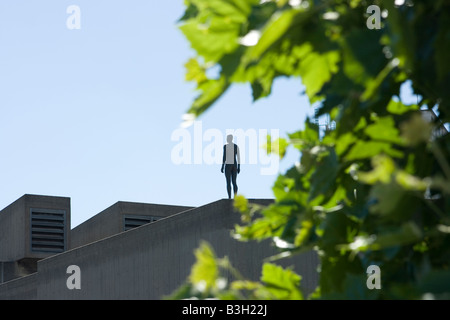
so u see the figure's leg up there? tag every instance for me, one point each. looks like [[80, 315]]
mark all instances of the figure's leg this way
[[234, 177], [228, 178]]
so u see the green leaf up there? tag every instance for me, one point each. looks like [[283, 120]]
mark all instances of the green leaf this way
[[211, 90], [373, 86], [388, 198], [344, 141], [410, 182], [401, 35], [277, 146], [271, 224], [369, 149], [308, 137], [213, 44], [215, 29], [283, 284], [240, 203], [336, 228], [303, 233], [274, 30], [334, 271], [194, 72], [323, 180], [362, 60], [407, 233], [205, 271], [384, 129], [397, 107], [316, 70], [190, 12], [383, 169]]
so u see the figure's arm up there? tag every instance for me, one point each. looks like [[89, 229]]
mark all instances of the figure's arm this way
[[238, 154], [224, 158]]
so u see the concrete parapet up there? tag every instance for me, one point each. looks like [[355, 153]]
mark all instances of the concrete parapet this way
[[153, 260], [113, 220]]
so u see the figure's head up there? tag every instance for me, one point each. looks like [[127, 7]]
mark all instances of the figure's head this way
[[229, 138]]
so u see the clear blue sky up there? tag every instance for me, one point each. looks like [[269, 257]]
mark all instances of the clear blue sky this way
[[89, 113]]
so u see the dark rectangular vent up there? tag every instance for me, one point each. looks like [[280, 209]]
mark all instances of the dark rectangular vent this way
[[48, 231], [134, 221]]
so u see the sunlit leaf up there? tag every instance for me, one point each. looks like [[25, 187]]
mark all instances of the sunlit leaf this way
[[240, 203], [205, 271], [194, 72], [369, 149], [282, 283], [383, 168], [211, 90], [397, 107], [384, 129], [277, 147]]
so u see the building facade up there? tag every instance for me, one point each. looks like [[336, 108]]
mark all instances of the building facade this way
[[128, 251]]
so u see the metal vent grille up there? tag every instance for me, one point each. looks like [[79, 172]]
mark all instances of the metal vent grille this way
[[133, 221], [48, 231]]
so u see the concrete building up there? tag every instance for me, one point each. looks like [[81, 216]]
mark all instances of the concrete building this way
[[128, 251]]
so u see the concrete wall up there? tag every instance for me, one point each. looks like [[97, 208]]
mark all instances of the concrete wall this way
[[110, 221], [151, 261], [16, 269], [16, 253], [24, 288], [12, 231]]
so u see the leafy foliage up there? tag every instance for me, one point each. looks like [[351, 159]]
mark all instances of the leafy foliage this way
[[208, 279], [376, 189]]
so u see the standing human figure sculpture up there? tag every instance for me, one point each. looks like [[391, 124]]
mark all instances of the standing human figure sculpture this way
[[231, 164]]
